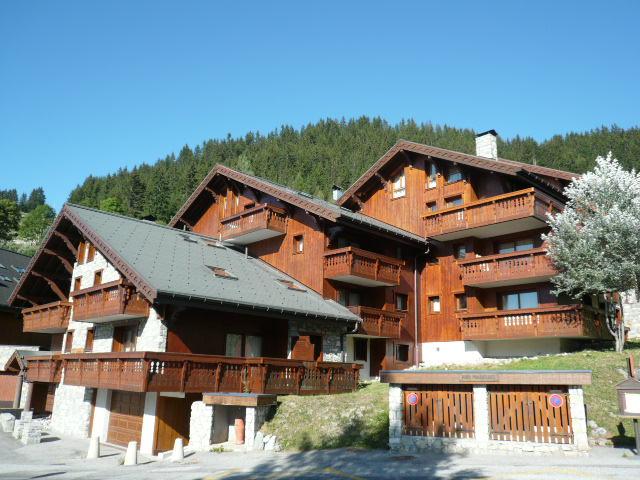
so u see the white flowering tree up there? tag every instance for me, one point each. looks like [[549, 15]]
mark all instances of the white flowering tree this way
[[595, 241]]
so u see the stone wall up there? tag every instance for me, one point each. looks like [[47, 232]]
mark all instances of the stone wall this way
[[481, 442], [631, 310], [201, 426], [72, 411], [152, 334], [254, 419], [330, 331]]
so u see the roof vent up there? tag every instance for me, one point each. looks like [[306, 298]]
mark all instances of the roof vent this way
[[336, 192], [222, 273], [291, 285], [487, 144]]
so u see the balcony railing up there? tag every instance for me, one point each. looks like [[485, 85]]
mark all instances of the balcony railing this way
[[254, 224], [360, 267], [379, 323], [47, 318], [46, 369], [523, 209], [507, 268], [108, 302], [175, 372], [564, 321]]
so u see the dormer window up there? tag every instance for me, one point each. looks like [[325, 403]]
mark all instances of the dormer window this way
[[432, 175], [454, 174], [399, 186]]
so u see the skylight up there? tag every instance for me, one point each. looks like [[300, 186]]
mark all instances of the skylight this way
[[291, 285], [18, 269]]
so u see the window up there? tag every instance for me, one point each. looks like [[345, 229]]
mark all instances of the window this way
[[298, 244], [348, 298], [399, 253], [402, 353], [515, 246], [68, 343], [77, 283], [459, 251], [399, 186], [91, 253], [432, 206], [360, 349], [88, 343], [461, 301], [233, 345], [81, 253], [432, 175], [520, 300], [124, 338], [434, 304], [252, 346], [97, 277], [402, 302], [453, 201], [454, 174]]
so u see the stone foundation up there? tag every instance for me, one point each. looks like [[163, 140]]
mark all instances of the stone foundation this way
[[72, 411]]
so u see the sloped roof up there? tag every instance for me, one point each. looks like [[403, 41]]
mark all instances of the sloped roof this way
[[166, 263], [12, 264], [501, 165], [302, 200]]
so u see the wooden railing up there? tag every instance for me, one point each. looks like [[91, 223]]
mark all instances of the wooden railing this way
[[113, 299], [47, 318], [351, 261], [175, 372], [379, 323], [569, 321], [506, 266], [488, 211], [260, 217], [47, 369]]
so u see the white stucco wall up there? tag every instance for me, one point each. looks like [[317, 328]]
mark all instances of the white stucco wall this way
[[148, 423], [350, 357], [100, 426]]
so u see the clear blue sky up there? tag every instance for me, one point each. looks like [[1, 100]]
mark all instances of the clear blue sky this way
[[87, 87]]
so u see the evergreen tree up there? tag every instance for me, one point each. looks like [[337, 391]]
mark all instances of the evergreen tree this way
[[34, 224], [36, 198], [9, 219], [136, 195]]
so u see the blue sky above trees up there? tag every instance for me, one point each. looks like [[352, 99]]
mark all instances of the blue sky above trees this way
[[88, 87]]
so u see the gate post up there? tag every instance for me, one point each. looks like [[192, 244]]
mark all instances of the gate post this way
[[578, 417], [481, 414], [396, 406]]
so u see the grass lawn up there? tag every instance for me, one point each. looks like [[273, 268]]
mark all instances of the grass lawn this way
[[360, 419], [357, 419]]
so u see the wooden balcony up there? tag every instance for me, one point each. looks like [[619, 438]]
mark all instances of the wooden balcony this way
[[564, 321], [176, 372], [47, 318], [108, 302], [379, 323], [504, 269], [490, 217], [45, 369], [254, 224], [360, 267]]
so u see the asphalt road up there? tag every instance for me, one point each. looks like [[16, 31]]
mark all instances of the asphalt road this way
[[64, 459]]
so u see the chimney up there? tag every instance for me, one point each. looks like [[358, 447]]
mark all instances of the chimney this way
[[487, 144], [336, 192]]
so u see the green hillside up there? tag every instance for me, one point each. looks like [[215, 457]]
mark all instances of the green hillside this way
[[330, 151]]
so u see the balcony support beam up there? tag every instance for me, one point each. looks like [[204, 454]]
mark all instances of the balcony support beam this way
[[52, 284], [65, 263], [67, 242]]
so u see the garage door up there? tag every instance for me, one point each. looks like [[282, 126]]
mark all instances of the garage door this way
[[125, 419]]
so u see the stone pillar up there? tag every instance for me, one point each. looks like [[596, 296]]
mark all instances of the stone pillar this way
[[481, 414], [201, 426], [101, 413], [26, 405], [254, 419], [578, 418], [148, 423], [72, 411], [395, 416], [18, 392]]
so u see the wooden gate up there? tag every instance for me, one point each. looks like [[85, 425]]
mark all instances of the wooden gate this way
[[439, 411], [525, 413], [125, 418]]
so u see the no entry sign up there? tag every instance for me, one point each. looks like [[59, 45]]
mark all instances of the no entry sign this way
[[556, 400], [412, 399]]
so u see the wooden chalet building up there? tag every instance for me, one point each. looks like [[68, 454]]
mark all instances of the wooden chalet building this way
[[255, 290]]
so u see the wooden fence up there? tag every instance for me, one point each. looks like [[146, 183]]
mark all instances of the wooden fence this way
[[524, 413], [439, 411]]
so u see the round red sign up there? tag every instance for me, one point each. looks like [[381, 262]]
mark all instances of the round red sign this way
[[412, 399], [556, 400]]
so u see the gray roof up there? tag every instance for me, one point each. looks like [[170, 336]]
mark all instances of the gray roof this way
[[177, 264], [12, 265]]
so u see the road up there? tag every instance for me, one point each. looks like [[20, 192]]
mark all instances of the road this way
[[64, 459]]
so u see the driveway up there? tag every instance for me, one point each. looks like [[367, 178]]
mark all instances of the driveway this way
[[64, 459]]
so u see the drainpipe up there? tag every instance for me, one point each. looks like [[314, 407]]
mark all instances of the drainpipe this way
[[416, 304]]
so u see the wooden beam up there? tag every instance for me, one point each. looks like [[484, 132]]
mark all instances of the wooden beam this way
[[65, 263], [53, 285], [358, 200], [67, 242], [383, 180], [214, 195], [26, 299], [407, 157]]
